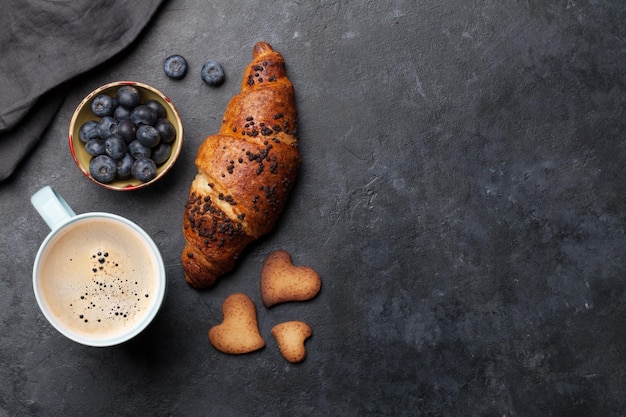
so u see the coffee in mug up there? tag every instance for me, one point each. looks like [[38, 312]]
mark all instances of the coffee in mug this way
[[98, 278]]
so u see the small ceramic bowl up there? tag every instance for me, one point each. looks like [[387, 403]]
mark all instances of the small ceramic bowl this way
[[83, 113]]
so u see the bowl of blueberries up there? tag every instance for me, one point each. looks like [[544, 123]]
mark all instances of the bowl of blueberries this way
[[125, 135]]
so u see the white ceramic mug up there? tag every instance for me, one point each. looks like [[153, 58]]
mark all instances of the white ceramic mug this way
[[98, 278]]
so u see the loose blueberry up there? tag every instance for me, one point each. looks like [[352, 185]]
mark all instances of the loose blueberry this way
[[175, 67], [144, 169], [143, 115], [115, 147], [107, 126], [212, 73], [121, 113], [103, 105], [148, 136], [128, 96], [161, 153], [124, 165], [137, 150], [88, 130], [95, 147], [157, 107], [127, 130], [102, 168], [166, 130]]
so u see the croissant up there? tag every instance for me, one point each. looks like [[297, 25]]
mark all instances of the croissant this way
[[245, 172]]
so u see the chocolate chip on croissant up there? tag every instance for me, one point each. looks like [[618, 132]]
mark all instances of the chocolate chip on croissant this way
[[245, 171]]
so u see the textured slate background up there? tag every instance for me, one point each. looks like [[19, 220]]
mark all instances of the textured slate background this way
[[462, 197]]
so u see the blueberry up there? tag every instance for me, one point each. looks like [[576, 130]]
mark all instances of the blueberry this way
[[156, 106], [143, 115], [144, 169], [175, 67], [121, 113], [115, 147], [102, 168], [161, 153], [107, 126], [102, 105], [128, 96], [166, 130], [95, 147], [124, 166], [212, 73], [148, 136], [127, 130], [137, 150], [88, 130]]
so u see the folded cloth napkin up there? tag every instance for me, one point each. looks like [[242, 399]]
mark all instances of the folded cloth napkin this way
[[46, 43]]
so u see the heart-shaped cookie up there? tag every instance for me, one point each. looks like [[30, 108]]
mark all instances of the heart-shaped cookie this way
[[290, 337], [281, 281], [239, 331]]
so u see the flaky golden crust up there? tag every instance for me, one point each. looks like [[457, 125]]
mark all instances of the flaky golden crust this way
[[245, 172]]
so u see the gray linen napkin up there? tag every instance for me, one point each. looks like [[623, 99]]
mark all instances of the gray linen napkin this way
[[46, 43]]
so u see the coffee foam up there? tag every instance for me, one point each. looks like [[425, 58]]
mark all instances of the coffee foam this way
[[98, 277]]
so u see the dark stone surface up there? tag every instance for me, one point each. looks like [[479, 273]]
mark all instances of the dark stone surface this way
[[462, 197]]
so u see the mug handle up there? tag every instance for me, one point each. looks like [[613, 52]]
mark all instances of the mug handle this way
[[51, 207]]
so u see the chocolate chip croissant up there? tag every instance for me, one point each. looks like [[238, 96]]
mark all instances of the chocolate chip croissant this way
[[245, 172]]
